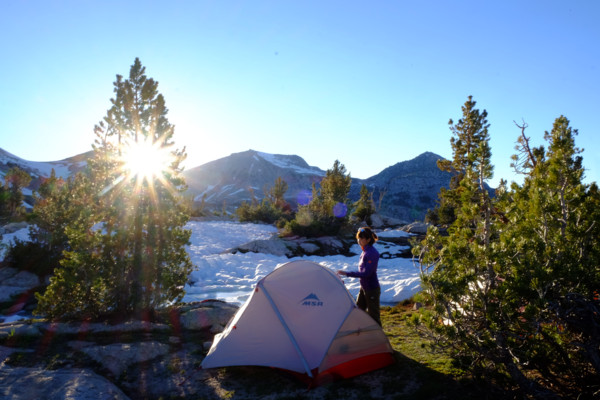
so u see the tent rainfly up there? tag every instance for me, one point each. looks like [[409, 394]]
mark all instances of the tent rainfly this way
[[301, 318]]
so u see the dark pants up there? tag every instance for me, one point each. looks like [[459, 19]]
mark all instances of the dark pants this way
[[369, 302]]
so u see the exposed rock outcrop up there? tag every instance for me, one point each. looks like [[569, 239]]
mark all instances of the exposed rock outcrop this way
[[135, 359]]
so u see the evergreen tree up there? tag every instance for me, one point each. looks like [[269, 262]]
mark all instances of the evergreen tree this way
[[127, 243], [364, 206], [277, 193], [15, 181], [551, 253], [4, 194], [471, 151], [328, 210], [273, 207], [514, 284], [459, 271]]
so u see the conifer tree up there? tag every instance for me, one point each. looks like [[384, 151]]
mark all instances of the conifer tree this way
[[514, 284], [277, 193], [328, 209], [364, 206], [15, 181], [459, 272], [552, 252], [127, 242]]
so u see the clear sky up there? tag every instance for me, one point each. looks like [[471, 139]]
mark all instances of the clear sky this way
[[369, 83]]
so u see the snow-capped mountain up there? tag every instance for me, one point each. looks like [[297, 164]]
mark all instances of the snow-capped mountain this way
[[242, 176], [40, 169], [404, 191]]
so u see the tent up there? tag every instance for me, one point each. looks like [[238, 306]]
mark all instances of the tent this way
[[302, 318]]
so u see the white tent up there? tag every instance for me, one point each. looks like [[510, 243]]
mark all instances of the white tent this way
[[302, 318]]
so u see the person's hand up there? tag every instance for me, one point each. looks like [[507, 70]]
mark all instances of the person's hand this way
[[341, 273]]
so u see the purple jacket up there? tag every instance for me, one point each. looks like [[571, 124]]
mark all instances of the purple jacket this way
[[367, 268]]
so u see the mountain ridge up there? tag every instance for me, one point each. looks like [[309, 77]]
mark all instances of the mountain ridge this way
[[405, 190]]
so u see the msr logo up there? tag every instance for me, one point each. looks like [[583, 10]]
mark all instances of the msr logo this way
[[312, 300]]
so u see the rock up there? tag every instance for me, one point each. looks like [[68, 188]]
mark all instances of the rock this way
[[331, 242], [20, 329], [377, 221], [97, 327], [383, 221], [13, 227], [417, 306], [210, 315], [274, 246], [391, 221], [309, 248], [38, 383], [419, 228], [119, 356], [14, 282], [22, 279]]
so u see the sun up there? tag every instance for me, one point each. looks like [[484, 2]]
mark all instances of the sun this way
[[145, 160]]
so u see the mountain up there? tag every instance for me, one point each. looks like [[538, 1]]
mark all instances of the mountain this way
[[241, 176], [408, 189], [40, 169], [404, 190]]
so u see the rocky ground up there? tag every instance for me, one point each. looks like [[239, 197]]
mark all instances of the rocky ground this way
[[136, 360], [161, 360], [158, 360]]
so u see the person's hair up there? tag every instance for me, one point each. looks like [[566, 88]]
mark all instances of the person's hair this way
[[367, 233]]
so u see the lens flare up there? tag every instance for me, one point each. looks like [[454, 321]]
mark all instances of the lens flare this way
[[304, 197], [340, 210], [145, 160]]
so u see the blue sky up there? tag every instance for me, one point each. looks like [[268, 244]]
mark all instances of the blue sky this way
[[367, 83]]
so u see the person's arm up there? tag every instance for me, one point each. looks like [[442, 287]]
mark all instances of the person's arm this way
[[369, 263]]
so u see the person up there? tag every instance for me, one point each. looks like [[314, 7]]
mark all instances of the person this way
[[370, 291]]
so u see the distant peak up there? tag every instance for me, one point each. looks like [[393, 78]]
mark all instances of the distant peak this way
[[428, 154]]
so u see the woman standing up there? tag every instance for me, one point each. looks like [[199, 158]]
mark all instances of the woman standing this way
[[370, 291]]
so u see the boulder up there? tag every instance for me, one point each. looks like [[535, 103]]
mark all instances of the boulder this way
[[213, 315], [377, 221], [309, 248], [418, 228], [76, 328], [40, 383], [14, 282], [117, 357], [13, 227], [20, 329], [273, 246]]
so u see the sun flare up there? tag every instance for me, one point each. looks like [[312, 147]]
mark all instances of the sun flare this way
[[146, 160]]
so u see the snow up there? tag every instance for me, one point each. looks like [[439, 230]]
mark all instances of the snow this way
[[395, 233], [232, 277], [8, 238], [283, 162], [62, 169]]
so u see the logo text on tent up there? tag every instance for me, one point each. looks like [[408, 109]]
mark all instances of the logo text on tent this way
[[312, 300]]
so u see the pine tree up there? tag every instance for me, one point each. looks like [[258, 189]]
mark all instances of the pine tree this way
[[471, 152], [364, 206], [15, 181], [551, 251], [127, 244], [277, 193], [514, 284], [328, 210], [459, 271]]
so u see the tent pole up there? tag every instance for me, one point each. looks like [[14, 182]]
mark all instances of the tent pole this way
[[287, 329]]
